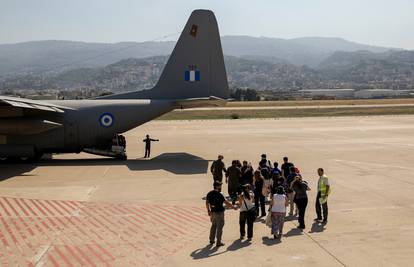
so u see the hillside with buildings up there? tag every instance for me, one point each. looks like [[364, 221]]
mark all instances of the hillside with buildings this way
[[261, 64]]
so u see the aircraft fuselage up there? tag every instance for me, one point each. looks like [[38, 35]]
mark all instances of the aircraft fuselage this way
[[89, 123]]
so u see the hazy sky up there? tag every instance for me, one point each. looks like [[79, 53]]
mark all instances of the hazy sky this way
[[378, 22]]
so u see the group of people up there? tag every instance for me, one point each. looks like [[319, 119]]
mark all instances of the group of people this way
[[251, 189]]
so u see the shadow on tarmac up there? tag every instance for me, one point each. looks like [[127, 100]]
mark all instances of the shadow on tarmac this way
[[270, 241], [317, 227], [293, 232], [176, 163], [211, 250], [13, 169], [206, 252]]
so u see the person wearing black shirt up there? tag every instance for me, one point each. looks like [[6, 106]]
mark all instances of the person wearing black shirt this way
[[217, 169], [233, 175], [301, 198], [147, 142], [258, 195], [215, 209], [286, 167], [247, 174]]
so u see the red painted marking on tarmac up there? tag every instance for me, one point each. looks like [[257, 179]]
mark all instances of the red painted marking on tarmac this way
[[9, 231], [51, 204], [96, 254], [104, 251], [59, 203], [3, 239], [73, 225], [84, 256], [37, 207], [70, 250], [116, 234], [29, 229], [21, 207], [28, 207], [179, 217], [41, 203], [22, 235], [100, 238], [11, 206], [192, 217], [125, 232], [4, 208], [62, 256], [141, 220], [6, 245], [39, 228], [53, 261], [177, 220], [163, 222], [100, 229]]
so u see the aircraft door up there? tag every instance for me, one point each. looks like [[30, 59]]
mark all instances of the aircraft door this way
[[71, 134]]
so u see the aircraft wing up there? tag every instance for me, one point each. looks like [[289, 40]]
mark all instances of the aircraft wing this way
[[211, 101], [19, 107], [19, 116]]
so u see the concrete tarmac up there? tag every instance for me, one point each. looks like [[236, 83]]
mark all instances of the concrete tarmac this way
[[84, 210]]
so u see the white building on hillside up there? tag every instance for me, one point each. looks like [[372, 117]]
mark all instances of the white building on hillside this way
[[336, 93], [381, 93]]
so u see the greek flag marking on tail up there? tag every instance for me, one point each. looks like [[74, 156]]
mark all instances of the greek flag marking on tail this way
[[192, 75]]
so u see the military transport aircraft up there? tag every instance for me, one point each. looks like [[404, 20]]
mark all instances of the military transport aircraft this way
[[194, 76]]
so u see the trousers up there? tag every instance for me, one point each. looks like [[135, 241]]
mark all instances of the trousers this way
[[217, 223], [245, 216], [291, 197], [324, 209], [147, 152], [260, 198], [301, 203]]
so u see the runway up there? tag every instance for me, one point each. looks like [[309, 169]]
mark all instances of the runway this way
[[84, 210]]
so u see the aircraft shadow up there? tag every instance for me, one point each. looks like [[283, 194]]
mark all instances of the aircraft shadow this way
[[13, 169], [176, 163]]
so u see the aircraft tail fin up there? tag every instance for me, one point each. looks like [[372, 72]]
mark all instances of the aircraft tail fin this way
[[195, 68]]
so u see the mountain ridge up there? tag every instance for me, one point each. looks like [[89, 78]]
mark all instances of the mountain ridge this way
[[56, 55]]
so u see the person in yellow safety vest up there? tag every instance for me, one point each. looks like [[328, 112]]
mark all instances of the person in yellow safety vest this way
[[324, 189]]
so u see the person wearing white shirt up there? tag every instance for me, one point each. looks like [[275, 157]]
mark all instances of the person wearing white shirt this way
[[278, 203], [247, 212]]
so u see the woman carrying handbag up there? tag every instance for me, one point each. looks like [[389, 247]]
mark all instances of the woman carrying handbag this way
[[247, 212]]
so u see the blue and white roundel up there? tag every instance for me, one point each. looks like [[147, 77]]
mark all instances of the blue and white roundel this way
[[106, 120]]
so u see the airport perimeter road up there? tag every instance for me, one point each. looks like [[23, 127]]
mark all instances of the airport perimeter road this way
[[82, 210]]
